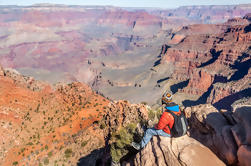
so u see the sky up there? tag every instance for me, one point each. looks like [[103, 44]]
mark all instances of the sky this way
[[129, 3]]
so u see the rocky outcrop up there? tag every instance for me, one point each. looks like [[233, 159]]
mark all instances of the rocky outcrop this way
[[183, 151], [226, 134], [199, 82], [25, 81], [242, 133], [122, 113], [214, 138], [45, 124], [214, 59], [177, 39], [78, 117]]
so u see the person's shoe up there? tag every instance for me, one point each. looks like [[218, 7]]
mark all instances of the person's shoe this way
[[136, 146]]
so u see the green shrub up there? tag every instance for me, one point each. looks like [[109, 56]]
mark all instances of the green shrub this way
[[84, 143], [68, 153], [131, 128], [29, 143], [50, 154], [15, 163], [121, 141], [154, 113], [158, 113], [151, 114], [46, 147], [102, 125], [37, 109], [46, 161], [22, 150], [144, 102]]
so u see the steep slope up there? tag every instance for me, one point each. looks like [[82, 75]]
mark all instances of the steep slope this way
[[70, 124], [211, 65], [39, 126], [45, 125]]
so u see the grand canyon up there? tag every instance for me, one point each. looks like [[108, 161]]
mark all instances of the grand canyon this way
[[78, 83]]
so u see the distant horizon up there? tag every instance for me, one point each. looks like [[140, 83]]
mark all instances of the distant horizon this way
[[126, 3], [58, 4]]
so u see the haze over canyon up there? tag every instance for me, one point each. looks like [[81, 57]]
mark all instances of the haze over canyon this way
[[75, 80], [96, 45]]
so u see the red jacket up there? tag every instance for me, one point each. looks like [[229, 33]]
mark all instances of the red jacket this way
[[166, 120]]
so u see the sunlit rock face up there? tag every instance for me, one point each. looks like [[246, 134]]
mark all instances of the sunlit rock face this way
[[95, 45], [211, 62]]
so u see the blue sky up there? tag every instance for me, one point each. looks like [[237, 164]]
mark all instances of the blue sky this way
[[129, 3]]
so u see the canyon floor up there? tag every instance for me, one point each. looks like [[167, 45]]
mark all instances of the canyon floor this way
[[119, 51]]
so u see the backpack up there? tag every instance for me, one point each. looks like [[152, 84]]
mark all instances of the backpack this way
[[180, 124]]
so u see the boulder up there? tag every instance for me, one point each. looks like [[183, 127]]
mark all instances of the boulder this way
[[176, 152], [242, 116], [244, 155], [211, 128]]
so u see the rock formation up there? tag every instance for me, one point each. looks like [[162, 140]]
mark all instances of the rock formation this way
[[176, 151], [49, 125], [212, 134], [214, 59], [70, 123], [44, 124], [41, 41], [225, 133]]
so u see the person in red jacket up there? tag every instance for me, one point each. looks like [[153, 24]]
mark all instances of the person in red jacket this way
[[164, 125]]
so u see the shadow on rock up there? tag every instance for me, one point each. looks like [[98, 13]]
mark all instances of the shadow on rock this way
[[174, 88], [94, 159], [225, 103], [226, 133], [201, 100]]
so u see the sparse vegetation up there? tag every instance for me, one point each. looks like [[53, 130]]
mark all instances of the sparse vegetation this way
[[158, 113], [102, 125], [37, 109], [151, 114], [29, 143], [46, 161], [68, 153], [83, 144], [22, 150], [154, 113], [121, 141], [50, 154], [15, 163]]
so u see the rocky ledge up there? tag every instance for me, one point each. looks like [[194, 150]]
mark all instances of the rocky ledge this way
[[214, 138]]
